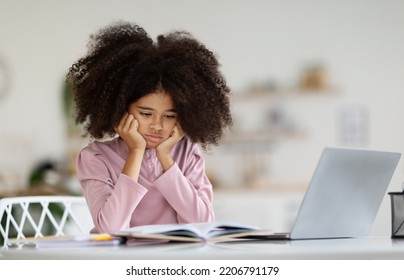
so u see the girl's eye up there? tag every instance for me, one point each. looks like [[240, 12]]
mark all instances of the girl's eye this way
[[145, 114], [170, 116]]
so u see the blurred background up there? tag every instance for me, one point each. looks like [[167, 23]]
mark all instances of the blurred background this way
[[304, 74]]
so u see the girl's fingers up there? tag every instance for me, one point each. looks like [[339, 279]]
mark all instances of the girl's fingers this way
[[128, 121], [134, 124], [121, 122], [179, 130]]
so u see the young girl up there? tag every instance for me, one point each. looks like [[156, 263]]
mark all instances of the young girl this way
[[160, 99]]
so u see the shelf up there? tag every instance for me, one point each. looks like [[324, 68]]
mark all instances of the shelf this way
[[260, 137], [293, 93]]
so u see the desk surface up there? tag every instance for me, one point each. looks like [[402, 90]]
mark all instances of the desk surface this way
[[346, 249]]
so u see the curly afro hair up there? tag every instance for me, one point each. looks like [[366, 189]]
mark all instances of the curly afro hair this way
[[123, 64]]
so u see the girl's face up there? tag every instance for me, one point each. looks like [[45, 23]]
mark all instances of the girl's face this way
[[156, 116]]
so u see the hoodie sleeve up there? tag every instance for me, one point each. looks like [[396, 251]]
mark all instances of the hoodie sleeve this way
[[111, 200], [187, 188]]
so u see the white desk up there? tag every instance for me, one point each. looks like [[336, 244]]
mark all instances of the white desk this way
[[379, 248]]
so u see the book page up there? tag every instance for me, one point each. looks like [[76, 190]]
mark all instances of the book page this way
[[194, 230]]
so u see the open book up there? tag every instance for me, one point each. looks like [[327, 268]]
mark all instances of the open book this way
[[193, 232]]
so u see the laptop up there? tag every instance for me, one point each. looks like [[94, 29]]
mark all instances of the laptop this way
[[344, 195]]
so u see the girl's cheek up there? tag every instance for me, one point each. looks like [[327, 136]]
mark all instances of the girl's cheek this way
[[141, 126]]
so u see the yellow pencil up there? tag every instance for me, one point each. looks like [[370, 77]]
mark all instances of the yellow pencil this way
[[102, 237]]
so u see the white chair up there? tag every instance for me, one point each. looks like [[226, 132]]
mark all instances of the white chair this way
[[37, 216]]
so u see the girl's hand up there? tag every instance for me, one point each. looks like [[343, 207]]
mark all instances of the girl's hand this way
[[176, 135], [163, 149], [128, 130]]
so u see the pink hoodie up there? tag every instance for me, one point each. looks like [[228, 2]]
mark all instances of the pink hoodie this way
[[182, 194]]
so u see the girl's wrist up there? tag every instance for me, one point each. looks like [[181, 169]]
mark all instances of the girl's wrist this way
[[137, 150], [133, 163], [165, 159]]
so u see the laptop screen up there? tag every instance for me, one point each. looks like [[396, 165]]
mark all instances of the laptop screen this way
[[345, 193]]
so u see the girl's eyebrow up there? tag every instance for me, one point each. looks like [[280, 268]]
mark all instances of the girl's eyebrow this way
[[151, 109], [145, 108]]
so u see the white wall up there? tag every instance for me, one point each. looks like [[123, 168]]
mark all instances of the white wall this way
[[360, 42]]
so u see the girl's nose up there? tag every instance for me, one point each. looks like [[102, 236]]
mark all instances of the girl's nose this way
[[156, 124]]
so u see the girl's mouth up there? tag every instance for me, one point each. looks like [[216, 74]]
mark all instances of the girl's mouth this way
[[153, 138]]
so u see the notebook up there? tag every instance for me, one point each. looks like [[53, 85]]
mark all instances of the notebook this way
[[344, 194]]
